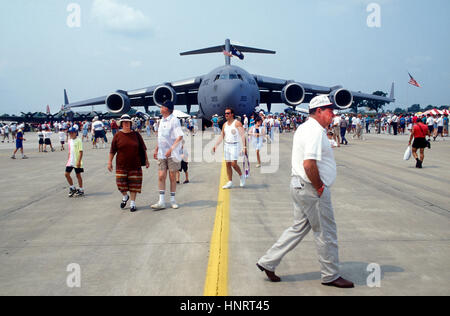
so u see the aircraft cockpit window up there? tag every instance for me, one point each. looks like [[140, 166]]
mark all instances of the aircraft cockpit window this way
[[233, 77], [223, 77], [217, 78], [240, 77]]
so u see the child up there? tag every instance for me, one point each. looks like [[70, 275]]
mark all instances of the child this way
[[333, 143], [257, 135], [41, 140], [19, 144], [62, 138], [75, 162], [47, 140], [184, 164]]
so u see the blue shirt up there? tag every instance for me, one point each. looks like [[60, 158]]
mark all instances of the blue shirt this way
[[19, 138]]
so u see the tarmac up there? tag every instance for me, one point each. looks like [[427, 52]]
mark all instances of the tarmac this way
[[390, 216]]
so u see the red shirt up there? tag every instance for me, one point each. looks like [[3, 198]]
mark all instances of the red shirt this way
[[127, 148], [420, 130]]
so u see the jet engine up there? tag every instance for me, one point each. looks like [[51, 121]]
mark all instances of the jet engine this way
[[118, 103], [342, 98], [163, 94], [293, 94]]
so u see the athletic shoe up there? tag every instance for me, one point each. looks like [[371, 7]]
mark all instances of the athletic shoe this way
[[229, 185], [186, 182], [258, 166], [24, 157], [159, 206], [124, 203], [174, 205], [13, 157], [242, 184], [72, 192], [79, 193]]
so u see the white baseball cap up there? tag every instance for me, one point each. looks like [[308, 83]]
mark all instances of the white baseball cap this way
[[320, 101]]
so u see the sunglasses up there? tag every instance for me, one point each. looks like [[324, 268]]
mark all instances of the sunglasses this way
[[227, 113]]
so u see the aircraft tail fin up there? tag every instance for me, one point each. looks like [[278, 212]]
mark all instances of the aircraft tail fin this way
[[66, 99], [392, 95], [229, 50], [221, 49], [209, 50]]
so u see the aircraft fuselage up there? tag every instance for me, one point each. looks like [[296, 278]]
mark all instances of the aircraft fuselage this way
[[228, 86]]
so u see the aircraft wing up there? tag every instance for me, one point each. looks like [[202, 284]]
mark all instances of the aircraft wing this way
[[90, 102], [184, 92], [271, 90]]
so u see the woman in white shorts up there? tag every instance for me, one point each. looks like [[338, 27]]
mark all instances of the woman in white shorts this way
[[232, 133]]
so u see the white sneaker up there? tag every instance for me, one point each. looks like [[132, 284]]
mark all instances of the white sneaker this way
[[229, 185], [174, 205], [159, 206], [243, 181], [258, 166]]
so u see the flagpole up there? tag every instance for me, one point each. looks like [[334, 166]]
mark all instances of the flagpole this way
[[407, 101]]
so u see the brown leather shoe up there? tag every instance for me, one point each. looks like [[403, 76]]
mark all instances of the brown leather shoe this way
[[271, 275], [340, 283]]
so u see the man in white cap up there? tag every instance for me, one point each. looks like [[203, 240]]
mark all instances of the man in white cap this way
[[313, 173]]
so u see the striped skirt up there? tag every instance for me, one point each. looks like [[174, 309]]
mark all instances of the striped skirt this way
[[129, 181]]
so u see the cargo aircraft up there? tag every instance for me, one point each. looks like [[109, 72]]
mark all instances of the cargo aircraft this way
[[226, 86]]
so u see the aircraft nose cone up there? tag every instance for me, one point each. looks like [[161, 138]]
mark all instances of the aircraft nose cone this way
[[232, 93]]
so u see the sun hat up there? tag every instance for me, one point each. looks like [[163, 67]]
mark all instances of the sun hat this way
[[125, 118]]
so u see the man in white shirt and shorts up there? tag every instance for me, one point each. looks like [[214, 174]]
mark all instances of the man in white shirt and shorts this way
[[232, 133], [98, 131], [167, 152], [313, 174]]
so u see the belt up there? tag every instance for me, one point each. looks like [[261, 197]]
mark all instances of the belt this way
[[231, 143]]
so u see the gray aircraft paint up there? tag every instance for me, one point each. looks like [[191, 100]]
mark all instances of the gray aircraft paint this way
[[226, 86]]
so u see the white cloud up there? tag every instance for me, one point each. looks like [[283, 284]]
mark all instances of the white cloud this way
[[117, 17]]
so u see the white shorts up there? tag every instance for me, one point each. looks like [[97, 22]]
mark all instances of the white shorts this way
[[231, 152], [257, 143]]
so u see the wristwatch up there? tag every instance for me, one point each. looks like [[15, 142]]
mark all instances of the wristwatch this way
[[320, 191]]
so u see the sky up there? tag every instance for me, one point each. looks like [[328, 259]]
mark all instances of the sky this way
[[95, 47]]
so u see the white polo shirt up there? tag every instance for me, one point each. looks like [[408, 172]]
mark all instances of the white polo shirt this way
[[168, 132], [311, 143], [97, 126]]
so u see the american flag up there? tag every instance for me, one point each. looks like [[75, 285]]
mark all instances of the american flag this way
[[227, 53], [413, 81]]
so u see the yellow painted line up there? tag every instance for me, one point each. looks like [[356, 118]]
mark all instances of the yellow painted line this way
[[216, 283]]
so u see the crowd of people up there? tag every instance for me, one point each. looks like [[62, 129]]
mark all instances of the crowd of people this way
[[255, 130], [313, 164]]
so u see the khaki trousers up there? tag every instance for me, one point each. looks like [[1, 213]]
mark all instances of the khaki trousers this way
[[310, 213]]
